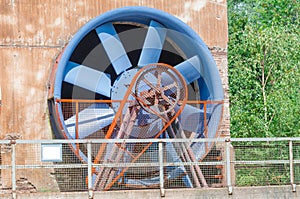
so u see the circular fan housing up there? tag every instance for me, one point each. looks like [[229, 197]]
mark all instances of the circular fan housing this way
[[105, 54]]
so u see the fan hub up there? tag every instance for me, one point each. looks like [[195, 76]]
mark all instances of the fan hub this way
[[99, 64], [159, 89], [120, 87]]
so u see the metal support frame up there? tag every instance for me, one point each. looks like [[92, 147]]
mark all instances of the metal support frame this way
[[13, 169], [161, 169], [90, 182], [228, 165], [89, 165], [291, 158]]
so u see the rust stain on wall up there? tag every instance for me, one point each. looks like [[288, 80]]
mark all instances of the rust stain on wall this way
[[34, 32], [24, 84], [51, 23]]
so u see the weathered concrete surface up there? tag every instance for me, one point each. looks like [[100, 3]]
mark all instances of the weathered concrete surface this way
[[220, 57], [274, 192], [24, 76], [53, 22], [33, 33]]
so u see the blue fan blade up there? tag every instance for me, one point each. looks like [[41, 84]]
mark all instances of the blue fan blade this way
[[192, 119], [153, 44], [88, 78], [90, 120], [113, 47], [190, 69], [142, 182], [175, 172], [151, 129]]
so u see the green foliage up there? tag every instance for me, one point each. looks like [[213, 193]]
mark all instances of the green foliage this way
[[267, 173], [257, 175], [262, 13], [264, 61]]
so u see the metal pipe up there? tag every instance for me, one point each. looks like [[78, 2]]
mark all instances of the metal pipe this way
[[183, 150], [13, 170], [117, 152], [152, 140], [77, 128], [161, 169], [291, 157], [228, 169], [90, 181], [191, 156]]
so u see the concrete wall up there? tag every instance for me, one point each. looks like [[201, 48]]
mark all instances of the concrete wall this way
[[33, 33], [276, 192]]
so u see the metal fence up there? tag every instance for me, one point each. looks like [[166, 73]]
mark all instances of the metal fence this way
[[52, 165]]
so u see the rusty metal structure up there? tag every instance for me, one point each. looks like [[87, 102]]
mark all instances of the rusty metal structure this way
[[157, 79]]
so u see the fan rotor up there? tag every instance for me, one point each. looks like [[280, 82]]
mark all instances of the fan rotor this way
[[174, 66]]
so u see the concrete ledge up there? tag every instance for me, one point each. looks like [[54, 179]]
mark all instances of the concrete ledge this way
[[268, 192]]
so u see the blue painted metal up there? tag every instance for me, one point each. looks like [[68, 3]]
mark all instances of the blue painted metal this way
[[191, 46], [90, 120], [153, 44], [113, 47], [192, 119], [190, 69], [199, 67], [88, 78]]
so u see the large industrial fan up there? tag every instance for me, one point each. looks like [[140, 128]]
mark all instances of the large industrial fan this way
[[137, 72]]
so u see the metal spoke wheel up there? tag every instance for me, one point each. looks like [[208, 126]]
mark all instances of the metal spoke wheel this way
[[98, 64], [159, 89]]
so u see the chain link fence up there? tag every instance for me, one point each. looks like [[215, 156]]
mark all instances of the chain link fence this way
[[29, 166]]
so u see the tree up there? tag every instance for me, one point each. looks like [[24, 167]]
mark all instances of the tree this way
[[264, 74]]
